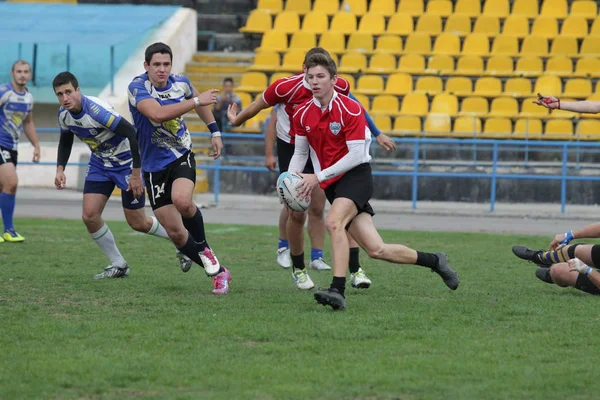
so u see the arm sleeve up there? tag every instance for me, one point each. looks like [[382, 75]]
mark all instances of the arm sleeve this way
[[189, 88], [125, 129], [278, 92], [300, 157], [370, 122], [65, 144]]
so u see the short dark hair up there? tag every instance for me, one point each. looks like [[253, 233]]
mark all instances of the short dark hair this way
[[322, 60], [64, 78], [316, 50], [228, 79], [155, 48]]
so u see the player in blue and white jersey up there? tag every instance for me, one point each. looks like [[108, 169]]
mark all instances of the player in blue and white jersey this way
[[115, 161], [158, 100], [16, 117]]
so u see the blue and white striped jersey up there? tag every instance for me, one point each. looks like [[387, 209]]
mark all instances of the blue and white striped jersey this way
[[14, 108]]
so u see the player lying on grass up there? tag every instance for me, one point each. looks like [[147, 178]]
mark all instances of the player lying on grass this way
[[115, 161], [332, 128]]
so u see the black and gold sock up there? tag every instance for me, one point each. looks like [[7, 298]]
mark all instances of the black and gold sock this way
[[563, 254]]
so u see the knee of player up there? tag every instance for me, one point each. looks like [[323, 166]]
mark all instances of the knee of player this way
[[561, 274], [334, 225], [90, 217], [10, 187], [298, 217], [183, 204], [376, 251], [140, 225]]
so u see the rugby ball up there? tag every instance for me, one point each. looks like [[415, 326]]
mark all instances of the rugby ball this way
[[288, 194]]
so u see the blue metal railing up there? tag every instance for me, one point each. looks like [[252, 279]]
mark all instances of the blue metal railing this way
[[415, 173]]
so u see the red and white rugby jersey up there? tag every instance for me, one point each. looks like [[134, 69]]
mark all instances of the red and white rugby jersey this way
[[293, 91], [330, 129]]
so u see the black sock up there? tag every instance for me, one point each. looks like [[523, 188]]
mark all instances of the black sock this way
[[195, 226], [298, 261], [190, 250], [354, 264], [427, 259], [339, 283]]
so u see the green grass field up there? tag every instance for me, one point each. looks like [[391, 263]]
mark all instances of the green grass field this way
[[161, 334]]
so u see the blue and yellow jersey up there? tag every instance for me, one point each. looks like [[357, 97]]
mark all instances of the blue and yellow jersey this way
[[94, 126], [160, 143], [14, 108]]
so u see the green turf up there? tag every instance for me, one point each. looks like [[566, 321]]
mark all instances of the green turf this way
[[161, 334]]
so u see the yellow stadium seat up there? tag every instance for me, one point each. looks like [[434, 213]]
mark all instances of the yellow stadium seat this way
[[334, 42], [259, 21], [364, 100], [385, 7], [383, 123], [372, 23], [545, 27], [472, 8], [437, 125], [515, 25], [412, 64], [303, 40], [440, 64], [518, 87], [327, 6], [499, 66], [359, 41], [444, 103], [531, 110], [431, 24], [564, 45], [526, 8], [390, 44], [554, 8], [351, 80], [315, 22], [496, 8], [271, 6], [548, 85], [527, 128], [559, 129], [469, 65], [529, 66], [590, 46], [400, 24], [578, 87], [584, 8], [442, 8], [487, 24], [458, 24], [253, 82], [488, 87], [279, 75], [273, 40], [352, 63], [595, 30], [504, 107], [418, 43], [343, 22], [358, 7], [399, 83], [466, 127], [534, 46], [574, 26], [407, 125], [477, 44], [429, 85], [588, 129], [505, 45], [382, 63], [385, 104], [497, 128], [299, 6], [475, 105], [414, 8], [246, 98], [588, 67], [265, 61], [446, 43], [369, 85], [559, 65], [459, 86], [293, 60], [415, 104]]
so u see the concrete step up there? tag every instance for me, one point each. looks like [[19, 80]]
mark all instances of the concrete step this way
[[204, 76], [228, 41], [224, 57], [215, 68], [220, 23], [238, 7]]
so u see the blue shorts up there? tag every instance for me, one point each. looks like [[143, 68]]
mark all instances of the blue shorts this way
[[103, 181]]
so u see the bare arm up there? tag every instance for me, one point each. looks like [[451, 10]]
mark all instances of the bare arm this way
[[270, 137], [159, 114], [29, 128], [249, 112], [588, 231], [553, 103], [204, 112]]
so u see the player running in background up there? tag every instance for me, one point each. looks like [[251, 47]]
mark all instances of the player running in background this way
[[157, 101], [16, 117], [289, 93], [332, 128], [115, 161]]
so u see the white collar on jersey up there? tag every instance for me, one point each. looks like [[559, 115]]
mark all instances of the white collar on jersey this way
[[318, 104]]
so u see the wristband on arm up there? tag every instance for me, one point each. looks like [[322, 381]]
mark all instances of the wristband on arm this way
[[214, 129]]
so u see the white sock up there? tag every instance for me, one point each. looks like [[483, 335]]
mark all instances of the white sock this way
[[105, 239], [157, 229]]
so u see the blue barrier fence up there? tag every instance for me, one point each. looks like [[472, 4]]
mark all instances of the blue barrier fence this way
[[417, 144]]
